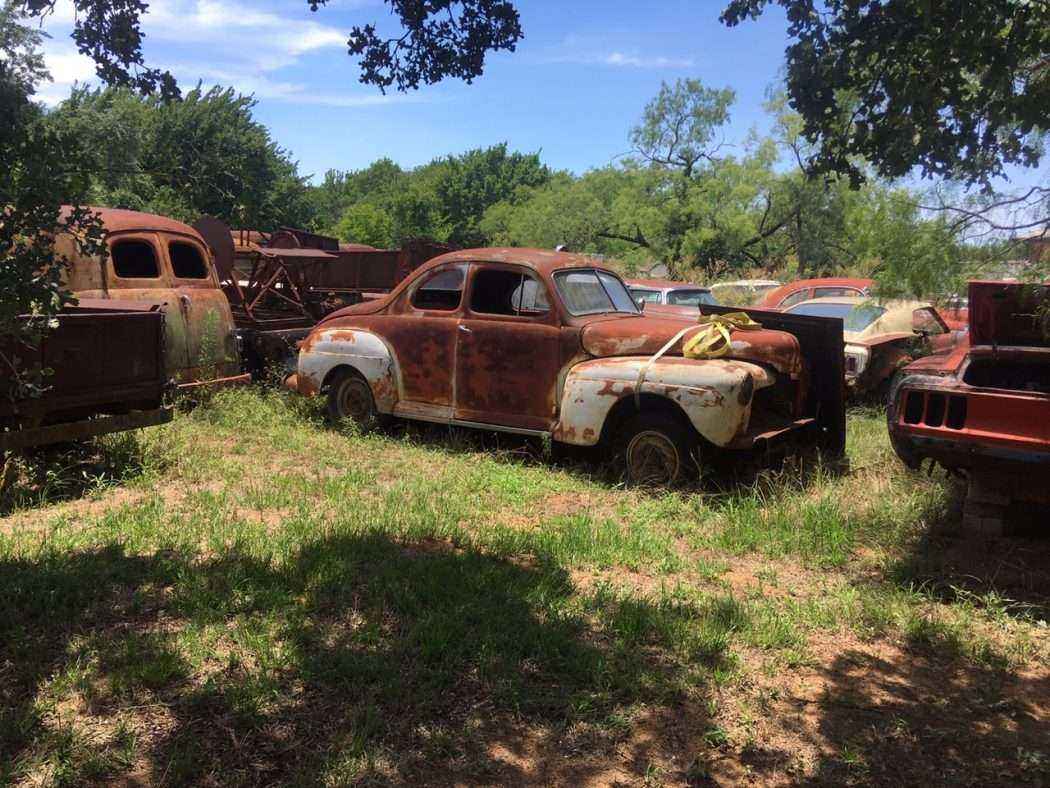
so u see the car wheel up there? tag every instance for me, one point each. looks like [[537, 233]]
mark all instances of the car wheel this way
[[350, 397], [657, 450]]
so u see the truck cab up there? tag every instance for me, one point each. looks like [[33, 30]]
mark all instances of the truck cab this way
[[155, 259]]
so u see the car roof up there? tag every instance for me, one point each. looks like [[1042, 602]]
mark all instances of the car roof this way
[[117, 220], [542, 261], [788, 288], [747, 283]]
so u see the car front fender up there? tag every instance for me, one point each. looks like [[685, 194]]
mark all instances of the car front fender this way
[[326, 349], [715, 394]]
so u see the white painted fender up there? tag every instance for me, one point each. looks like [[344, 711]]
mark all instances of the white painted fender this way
[[366, 352], [715, 394]]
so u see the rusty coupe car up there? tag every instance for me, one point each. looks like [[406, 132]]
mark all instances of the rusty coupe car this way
[[881, 338], [807, 289], [983, 410], [552, 344]]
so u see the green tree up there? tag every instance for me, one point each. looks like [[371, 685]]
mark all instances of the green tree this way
[[466, 185], [30, 273], [956, 88], [679, 125], [365, 223], [201, 154]]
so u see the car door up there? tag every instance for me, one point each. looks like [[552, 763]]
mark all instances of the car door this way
[[422, 334], [507, 350], [136, 272]]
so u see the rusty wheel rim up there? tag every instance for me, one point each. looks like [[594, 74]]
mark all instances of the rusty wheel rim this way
[[652, 458], [355, 402]]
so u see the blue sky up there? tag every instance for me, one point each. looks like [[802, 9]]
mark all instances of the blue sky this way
[[572, 90], [576, 84]]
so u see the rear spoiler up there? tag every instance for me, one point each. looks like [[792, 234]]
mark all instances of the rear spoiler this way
[[820, 340]]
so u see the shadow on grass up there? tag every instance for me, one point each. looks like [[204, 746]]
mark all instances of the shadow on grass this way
[[67, 471], [358, 658], [1008, 574], [922, 717]]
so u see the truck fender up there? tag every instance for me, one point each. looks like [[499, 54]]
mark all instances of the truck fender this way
[[326, 350], [714, 394]]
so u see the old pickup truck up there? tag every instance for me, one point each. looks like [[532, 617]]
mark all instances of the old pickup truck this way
[[552, 344], [983, 410], [156, 260]]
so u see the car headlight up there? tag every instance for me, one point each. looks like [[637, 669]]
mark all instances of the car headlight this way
[[856, 360]]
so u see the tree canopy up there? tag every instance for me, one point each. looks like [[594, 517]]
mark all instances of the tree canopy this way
[[957, 89]]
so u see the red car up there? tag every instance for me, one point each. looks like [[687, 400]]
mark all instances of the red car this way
[[807, 289], [983, 410]]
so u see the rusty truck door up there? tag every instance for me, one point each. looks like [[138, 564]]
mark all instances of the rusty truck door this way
[[211, 350], [137, 272], [507, 353]]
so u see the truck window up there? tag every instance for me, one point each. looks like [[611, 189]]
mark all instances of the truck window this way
[[134, 260], [501, 292], [442, 291], [186, 261]]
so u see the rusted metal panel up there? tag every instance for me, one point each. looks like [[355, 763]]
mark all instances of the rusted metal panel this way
[[821, 345], [84, 429], [107, 359], [714, 394]]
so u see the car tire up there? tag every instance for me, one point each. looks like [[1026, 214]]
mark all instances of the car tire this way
[[656, 450], [350, 398]]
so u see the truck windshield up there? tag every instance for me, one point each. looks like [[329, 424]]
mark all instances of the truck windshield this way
[[587, 291]]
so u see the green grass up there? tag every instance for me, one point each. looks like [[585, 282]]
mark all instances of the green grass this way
[[247, 596]]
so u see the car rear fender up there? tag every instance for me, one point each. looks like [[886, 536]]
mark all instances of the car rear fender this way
[[714, 394], [326, 350]]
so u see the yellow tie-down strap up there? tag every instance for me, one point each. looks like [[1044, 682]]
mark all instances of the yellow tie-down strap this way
[[711, 340]]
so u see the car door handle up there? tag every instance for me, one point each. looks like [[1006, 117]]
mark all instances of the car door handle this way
[[464, 329]]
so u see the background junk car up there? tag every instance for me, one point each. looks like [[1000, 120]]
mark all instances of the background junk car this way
[[983, 410], [666, 292], [548, 343], [881, 338], [807, 289]]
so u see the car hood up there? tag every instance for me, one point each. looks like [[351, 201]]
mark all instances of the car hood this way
[[643, 336]]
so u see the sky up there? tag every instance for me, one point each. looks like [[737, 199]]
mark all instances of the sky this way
[[576, 84], [573, 89]]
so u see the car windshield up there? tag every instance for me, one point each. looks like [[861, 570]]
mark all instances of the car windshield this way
[[855, 317], [690, 297], [587, 291]]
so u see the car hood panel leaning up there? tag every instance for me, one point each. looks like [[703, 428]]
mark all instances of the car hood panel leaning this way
[[637, 336]]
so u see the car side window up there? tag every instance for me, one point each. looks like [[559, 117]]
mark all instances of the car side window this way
[[795, 298], [134, 259], [441, 291], [186, 261], [501, 292]]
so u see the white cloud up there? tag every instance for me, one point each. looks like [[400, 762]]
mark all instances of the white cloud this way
[[637, 61], [217, 42], [593, 51]]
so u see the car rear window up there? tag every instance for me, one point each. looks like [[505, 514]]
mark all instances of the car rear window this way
[[186, 261], [134, 259]]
